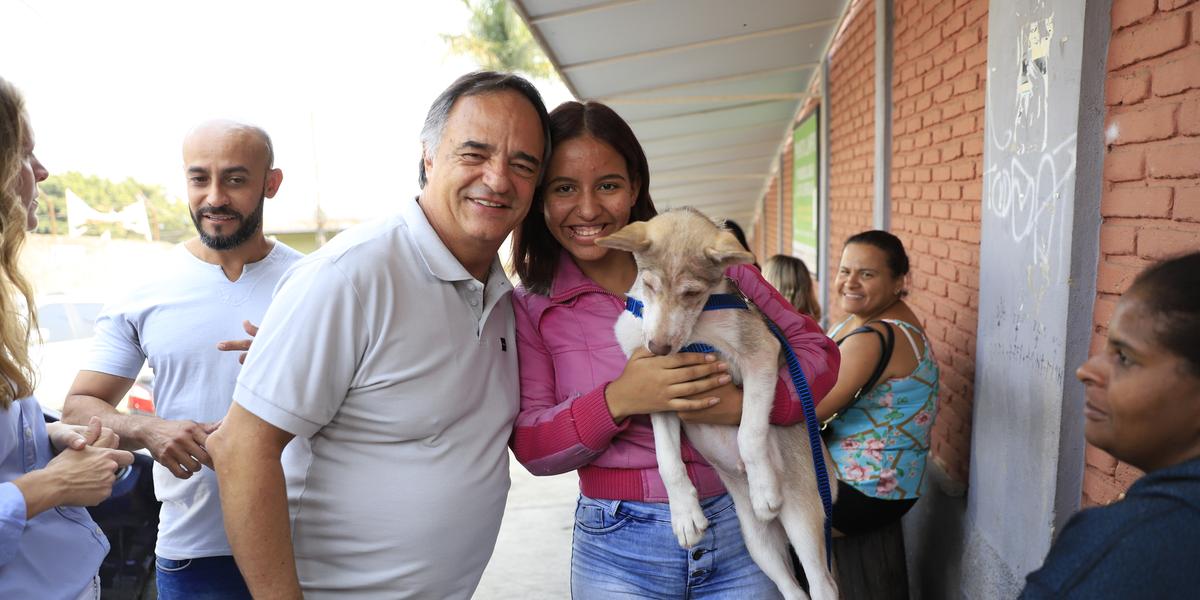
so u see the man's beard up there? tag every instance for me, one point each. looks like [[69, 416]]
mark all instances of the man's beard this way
[[249, 226]]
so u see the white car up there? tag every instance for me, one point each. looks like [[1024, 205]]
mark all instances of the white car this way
[[60, 347]]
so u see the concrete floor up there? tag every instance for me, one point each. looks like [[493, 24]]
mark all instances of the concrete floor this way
[[532, 560]]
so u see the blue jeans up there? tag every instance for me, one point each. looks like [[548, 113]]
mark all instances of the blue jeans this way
[[628, 550], [211, 577]]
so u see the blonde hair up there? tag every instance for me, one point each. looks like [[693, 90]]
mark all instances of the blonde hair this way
[[791, 277], [16, 319]]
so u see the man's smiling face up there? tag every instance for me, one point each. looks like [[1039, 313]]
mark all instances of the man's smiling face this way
[[483, 173], [228, 178]]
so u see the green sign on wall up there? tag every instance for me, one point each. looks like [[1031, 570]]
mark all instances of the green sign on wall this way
[[804, 192]]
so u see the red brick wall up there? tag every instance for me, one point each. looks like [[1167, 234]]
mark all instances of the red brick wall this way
[[770, 213], [754, 235], [1151, 203], [939, 67], [851, 133]]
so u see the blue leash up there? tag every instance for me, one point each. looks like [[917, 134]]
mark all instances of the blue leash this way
[[739, 301]]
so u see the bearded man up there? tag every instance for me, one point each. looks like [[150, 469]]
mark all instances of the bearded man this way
[[176, 322]]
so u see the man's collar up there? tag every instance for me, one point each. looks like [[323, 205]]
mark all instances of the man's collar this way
[[436, 256]]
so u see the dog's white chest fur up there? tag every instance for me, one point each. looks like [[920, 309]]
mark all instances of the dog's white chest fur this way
[[768, 470]]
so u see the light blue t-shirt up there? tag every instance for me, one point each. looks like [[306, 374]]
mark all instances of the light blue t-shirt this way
[[175, 323]]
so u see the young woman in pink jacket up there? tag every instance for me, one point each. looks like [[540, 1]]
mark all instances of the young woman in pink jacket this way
[[584, 406]]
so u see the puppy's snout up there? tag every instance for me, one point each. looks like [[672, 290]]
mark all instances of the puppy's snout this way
[[659, 348]]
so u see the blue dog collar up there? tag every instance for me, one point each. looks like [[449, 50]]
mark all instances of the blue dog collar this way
[[715, 302]]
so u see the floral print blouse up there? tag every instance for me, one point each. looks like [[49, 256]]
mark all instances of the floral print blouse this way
[[879, 444]]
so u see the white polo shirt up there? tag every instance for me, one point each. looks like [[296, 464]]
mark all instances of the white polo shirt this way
[[397, 371]]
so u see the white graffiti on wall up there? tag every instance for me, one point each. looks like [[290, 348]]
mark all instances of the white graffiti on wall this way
[[1028, 179], [1028, 196]]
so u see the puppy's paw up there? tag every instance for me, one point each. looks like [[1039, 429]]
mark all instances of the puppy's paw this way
[[766, 497], [689, 524]]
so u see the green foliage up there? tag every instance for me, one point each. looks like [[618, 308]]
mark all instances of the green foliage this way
[[170, 220], [498, 40]]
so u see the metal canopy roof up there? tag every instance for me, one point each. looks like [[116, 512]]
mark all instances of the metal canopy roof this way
[[710, 87]]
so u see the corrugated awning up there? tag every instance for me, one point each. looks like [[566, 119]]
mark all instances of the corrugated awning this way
[[710, 86]]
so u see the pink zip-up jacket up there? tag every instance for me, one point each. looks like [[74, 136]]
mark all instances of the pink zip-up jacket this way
[[568, 356]]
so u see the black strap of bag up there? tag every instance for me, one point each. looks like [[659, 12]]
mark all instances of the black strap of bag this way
[[888, 341], [885, 357]]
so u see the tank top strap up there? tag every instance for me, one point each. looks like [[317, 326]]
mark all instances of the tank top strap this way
[[833, 332], [904, 328]]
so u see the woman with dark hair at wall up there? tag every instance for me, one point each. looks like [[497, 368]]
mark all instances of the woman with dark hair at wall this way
[[1143, 407], [792, 278], [881, 411], [585, 407], [49, 546]]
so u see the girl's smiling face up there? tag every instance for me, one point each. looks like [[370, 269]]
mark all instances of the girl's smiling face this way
[[588, 195]]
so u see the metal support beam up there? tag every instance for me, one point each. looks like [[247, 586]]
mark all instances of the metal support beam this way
[[823, 222], [781, 248], [882, 208], [709, 99], [741, 37], [713, 80], [574, 12]]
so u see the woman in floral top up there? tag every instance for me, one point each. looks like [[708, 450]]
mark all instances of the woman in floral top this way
[[878, 437]]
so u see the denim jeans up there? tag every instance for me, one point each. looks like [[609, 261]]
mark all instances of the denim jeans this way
[[212, 577], [628, 550]]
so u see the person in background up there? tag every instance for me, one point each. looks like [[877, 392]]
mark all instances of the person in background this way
[[881, 411], [219, 282], [49, 546], [791, 277], [586, 407], [737, 232], [1143, 408]]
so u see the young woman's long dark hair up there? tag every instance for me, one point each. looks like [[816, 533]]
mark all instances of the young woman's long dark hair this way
[[535, 252]]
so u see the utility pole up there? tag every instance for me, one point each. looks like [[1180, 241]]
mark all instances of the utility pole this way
[[319, 215], [53, 217]]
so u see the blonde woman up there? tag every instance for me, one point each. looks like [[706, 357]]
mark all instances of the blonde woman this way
[[49, 546], [791, 277]]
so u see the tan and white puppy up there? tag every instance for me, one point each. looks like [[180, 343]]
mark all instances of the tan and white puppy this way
[[681, 257]]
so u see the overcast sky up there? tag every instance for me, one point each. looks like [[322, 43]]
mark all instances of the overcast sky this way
[[342, 87]]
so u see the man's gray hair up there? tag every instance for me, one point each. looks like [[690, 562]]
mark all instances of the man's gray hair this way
[[474, 84]]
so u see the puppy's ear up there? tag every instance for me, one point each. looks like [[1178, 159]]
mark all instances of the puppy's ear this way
[[727, 250], [631, 238]]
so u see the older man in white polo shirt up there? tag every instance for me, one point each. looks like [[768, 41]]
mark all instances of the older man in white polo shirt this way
[[388, 357]]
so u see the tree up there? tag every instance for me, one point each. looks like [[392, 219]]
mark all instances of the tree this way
[[170, 220], [498, 40]]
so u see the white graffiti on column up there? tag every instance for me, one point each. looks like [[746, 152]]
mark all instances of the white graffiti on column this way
[[1027, 197], [1026, 180]]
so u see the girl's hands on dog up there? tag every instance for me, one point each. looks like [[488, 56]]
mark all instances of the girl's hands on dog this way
[[651, 384], [726, 412]]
